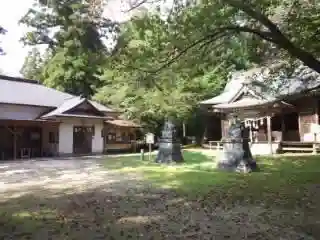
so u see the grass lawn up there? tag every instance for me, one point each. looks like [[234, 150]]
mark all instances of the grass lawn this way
[[187, 201], [284, 193], [281, 179]]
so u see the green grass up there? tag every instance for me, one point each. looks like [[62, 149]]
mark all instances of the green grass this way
[[283, 178]]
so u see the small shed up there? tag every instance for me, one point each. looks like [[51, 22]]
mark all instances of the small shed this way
[[120, 135]]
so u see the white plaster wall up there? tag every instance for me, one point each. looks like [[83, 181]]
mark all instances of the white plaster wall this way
[[66, 134], [20, 112], [65, 138], [97, 140]]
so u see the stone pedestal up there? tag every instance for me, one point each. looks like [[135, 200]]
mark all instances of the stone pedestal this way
[[169, 145], [236, 154]]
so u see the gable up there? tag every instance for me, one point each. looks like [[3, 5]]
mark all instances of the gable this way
[[75, 107], [84, 108]]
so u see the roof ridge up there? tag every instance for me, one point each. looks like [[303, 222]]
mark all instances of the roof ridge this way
[[18, 79]]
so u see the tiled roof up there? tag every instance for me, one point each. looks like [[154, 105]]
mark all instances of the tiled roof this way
[[303, 79], [233, 87], [28, 92], [20, 91], [123, 123], [65, 106], [244, 102]]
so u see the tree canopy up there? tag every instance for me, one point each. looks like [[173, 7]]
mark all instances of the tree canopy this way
[[165, 61], [291, 26], [34, 64], [74, 32], [144, 44]]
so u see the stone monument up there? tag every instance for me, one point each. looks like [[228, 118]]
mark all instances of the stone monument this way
[[236, 154], [169, 145]]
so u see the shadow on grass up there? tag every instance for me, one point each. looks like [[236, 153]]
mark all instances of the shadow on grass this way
[[95, 214], [192, 160], [283, 180], [139, 214]]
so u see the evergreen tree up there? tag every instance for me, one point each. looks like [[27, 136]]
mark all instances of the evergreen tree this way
[[74, 34], [33, 65]]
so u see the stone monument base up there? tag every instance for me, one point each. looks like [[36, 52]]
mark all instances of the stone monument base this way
[[236, 157], [236, 154], [169, 145], [169, 152], [242, 166]]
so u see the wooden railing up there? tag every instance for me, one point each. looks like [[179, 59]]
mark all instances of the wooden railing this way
[[219, 144], [284, 146], [299, 146]]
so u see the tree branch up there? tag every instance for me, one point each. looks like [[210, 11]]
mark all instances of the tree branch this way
[[274, 35], [256, 14], [218, 34], [137, 4], [277, 36]]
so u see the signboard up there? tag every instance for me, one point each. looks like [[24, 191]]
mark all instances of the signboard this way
[[150, 138], [314, 128]]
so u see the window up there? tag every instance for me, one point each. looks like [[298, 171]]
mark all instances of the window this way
[[111, 137]]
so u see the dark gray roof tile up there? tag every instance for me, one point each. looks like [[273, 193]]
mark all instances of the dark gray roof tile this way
[[28, 92]]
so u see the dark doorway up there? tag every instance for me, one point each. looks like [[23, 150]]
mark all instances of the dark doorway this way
[[29, 139], [6, 143], [291, 127], [82, 139], [20, 142], [213, 128]]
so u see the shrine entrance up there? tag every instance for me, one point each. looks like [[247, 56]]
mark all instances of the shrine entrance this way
[[82, 139], [290, 129]]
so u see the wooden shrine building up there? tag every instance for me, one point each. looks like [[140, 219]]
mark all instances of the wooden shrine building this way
[[282, 114]]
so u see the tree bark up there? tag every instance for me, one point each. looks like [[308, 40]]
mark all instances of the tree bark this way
[[276, 36], [307, 58]]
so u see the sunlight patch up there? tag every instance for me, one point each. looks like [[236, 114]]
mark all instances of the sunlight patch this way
[[140, 219], [36, 214]]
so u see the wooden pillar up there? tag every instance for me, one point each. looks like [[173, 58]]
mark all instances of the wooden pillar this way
[[315, 137], [184, 129], [250, 133], [14, 143], [283, 126], [269, 133], [314, 145]]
